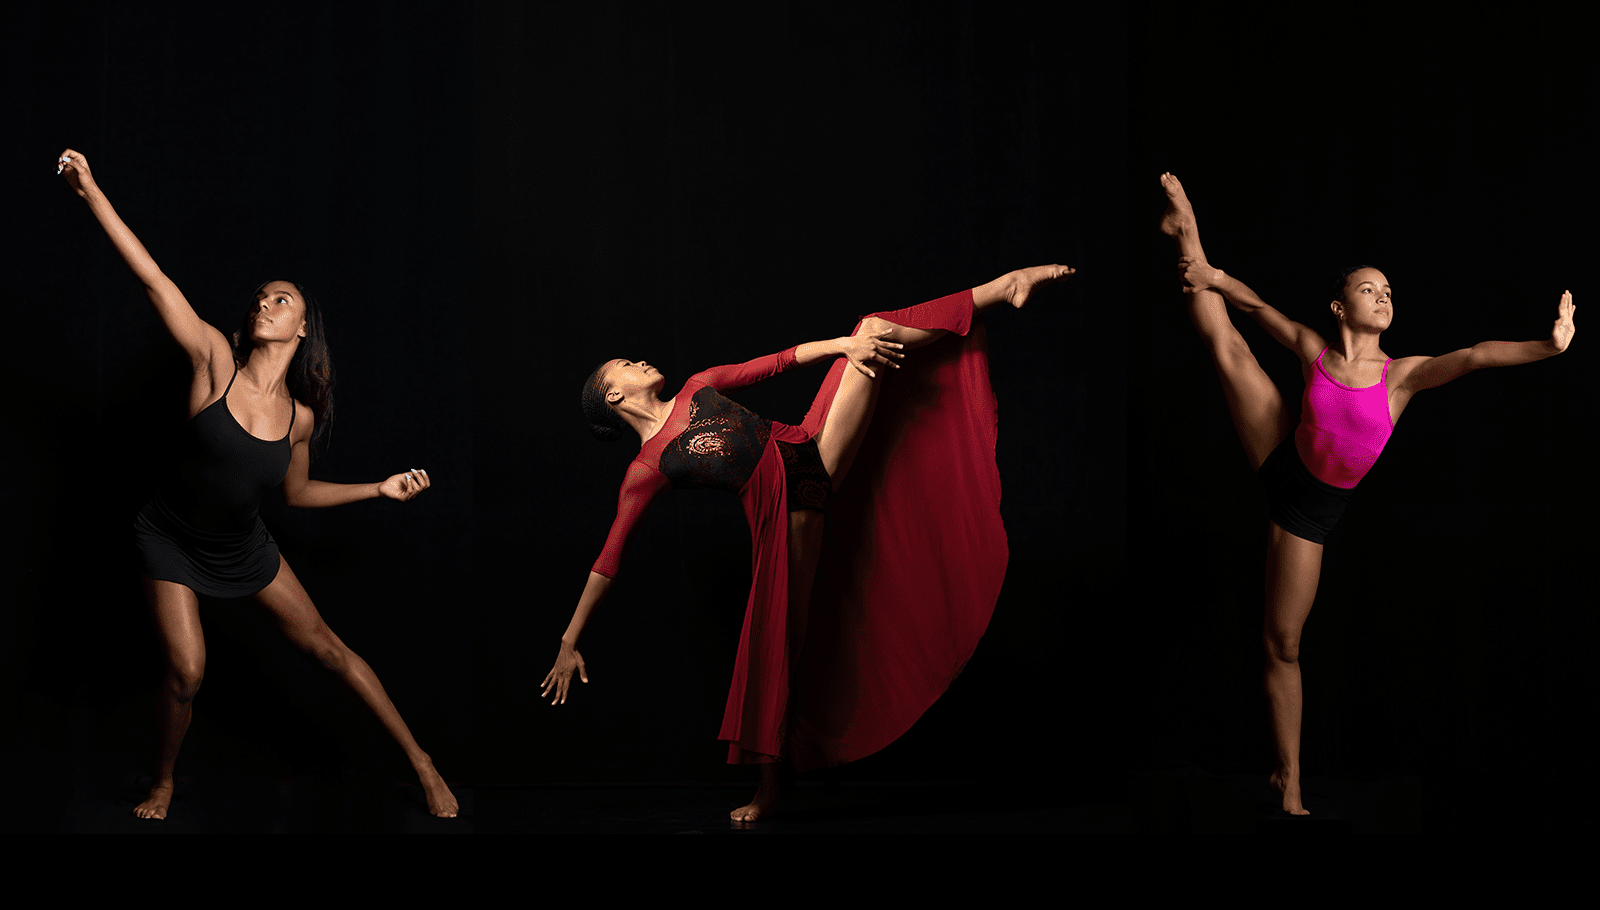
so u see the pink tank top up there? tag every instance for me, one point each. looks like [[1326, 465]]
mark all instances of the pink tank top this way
[[1342, 430]]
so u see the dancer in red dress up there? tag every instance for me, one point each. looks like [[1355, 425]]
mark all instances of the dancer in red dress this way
[[918, 551]]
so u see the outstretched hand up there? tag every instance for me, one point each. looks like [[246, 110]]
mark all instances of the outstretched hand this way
[[1561, 334], [870, 347], [560, 676], [1198, 275], [73, 166], [403, 487]]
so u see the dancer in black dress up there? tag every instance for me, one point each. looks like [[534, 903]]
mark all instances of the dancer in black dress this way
[[255, 407]]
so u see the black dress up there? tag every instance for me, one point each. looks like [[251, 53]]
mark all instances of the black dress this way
[[203, 528]]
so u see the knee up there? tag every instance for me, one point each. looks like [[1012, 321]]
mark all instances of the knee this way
[[183, 680], [1283, 649], [329, 652], [872, 325]]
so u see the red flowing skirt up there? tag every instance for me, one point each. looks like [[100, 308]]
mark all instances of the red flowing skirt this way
[[913, 562]]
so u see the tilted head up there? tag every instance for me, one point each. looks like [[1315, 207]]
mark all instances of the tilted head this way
[[1362, 299], [283, 311], [611, 385]]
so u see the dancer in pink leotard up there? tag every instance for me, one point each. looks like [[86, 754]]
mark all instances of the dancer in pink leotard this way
[[1354, 394]]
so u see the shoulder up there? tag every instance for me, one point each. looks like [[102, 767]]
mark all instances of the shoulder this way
[[1311, 345], [642, 479], [1402, 369]]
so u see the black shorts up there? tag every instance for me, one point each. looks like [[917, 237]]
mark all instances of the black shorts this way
[[1299, 502], [805, 479]]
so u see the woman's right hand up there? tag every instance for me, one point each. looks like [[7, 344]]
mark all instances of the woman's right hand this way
[[870, 347], [560, 676], [73, 166], [1198, 275]]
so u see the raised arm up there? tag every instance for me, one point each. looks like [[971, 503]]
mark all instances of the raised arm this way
[[203, 343], [301, 492], [1413, 374], [1199, 275]]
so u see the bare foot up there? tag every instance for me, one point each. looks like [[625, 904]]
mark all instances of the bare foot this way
[[1024, 281], [1289, 786], [1178, 219], [156, 804], [765, 805], [441, 802]]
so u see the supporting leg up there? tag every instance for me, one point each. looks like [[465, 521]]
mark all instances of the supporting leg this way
[[805, 550], [1294, 566], [176, 611], [287, 603]]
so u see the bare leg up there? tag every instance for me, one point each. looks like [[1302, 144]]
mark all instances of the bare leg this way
[[176, 611], [1259, 415], [1294, 566], [288, 605], [805, 550]]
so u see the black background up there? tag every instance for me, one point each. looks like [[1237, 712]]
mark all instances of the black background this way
[[314, 143], [489, 208], [696, 190]]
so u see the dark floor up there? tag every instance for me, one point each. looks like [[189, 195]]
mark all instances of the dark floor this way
[[920, 808]]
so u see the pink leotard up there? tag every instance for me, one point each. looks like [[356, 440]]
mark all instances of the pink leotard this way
[[1342, 430]]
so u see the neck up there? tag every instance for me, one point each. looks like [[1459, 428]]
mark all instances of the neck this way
[[1356, 345], [268, 365], [646, 416]]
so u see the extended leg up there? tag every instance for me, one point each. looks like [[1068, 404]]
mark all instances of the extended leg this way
[[1016, 287], [176, 611], [289, 606], [1259, 415], [805, 549], [1293, 568]]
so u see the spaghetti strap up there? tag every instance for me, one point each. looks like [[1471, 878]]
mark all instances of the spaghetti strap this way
[[293, 406], [230, 381], [1385, 379]]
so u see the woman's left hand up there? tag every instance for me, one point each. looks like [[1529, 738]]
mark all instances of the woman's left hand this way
[[1561, 334], [404, 486]]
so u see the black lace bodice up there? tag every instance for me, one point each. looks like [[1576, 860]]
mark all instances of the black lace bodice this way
[[721, 446]]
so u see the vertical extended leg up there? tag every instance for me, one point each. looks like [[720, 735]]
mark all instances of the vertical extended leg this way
[[1254, 402]]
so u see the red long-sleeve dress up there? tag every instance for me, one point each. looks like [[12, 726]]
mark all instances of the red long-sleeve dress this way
[[915, 554]]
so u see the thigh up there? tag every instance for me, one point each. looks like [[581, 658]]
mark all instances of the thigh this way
[[1294, 566], [1260, 416], [290, 608], [176, 612], [846, 424]]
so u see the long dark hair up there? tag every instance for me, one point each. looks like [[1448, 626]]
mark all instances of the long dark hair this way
[[310, 378]]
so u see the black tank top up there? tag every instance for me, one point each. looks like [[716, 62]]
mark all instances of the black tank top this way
[[223, 471]]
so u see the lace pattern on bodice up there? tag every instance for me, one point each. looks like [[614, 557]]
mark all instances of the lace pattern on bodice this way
[[721, 446]]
